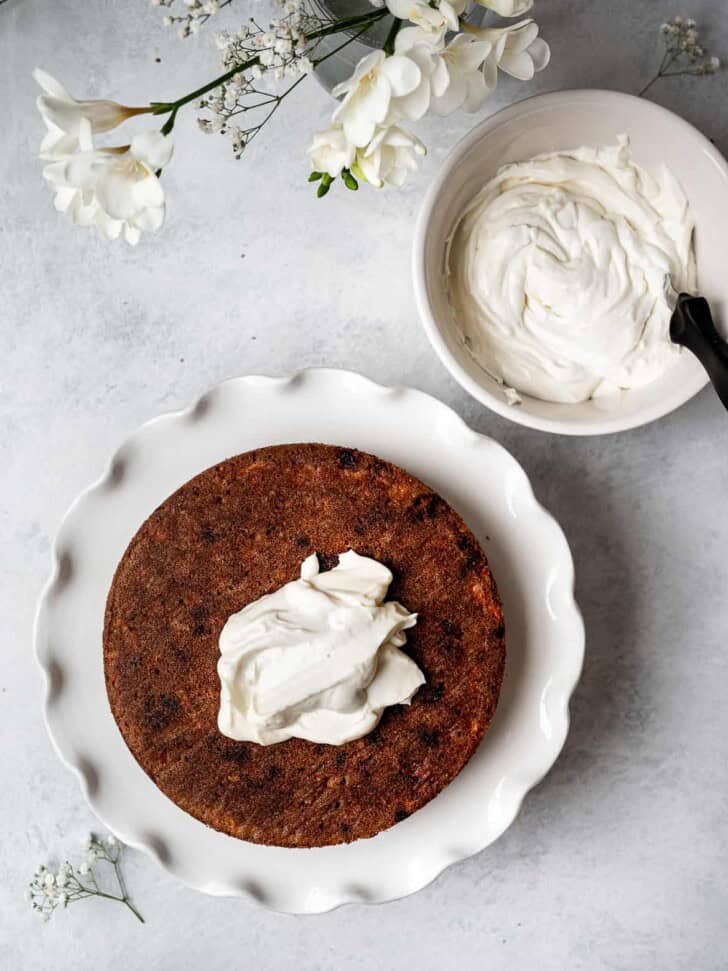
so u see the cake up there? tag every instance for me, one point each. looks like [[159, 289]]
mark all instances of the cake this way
[[240, 530]]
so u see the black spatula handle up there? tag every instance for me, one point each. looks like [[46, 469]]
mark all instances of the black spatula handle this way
[[692, 326]]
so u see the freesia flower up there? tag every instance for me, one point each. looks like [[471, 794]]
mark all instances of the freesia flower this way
[[431, 22], [114, 189], [507, 8], [62, 115], [517, 50], [369, 91], [433, 81], [389, 157], [466, 87], [331, 151]]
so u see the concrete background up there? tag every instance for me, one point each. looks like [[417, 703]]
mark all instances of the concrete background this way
[[618, 859]]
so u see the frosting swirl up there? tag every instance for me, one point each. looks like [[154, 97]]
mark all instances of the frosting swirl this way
[[318, 659], [557, 273]]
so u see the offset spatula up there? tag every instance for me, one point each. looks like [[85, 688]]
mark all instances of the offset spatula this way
[[691, 325]]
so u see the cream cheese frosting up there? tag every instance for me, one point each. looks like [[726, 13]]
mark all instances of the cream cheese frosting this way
[[557, 273], [317, 659]]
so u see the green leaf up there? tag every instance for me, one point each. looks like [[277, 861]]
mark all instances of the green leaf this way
[[324, 186], [315, 176]]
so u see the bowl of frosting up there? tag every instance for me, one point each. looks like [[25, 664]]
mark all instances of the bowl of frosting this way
[[548, 251]]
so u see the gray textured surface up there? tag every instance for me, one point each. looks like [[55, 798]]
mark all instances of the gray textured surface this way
[[618, 859]]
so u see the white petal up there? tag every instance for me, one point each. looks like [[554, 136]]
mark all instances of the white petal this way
[[131, 234], [148, 193], [399, 138], [490, 71], [477, 92], [82, 214], [540, 54], [448, 12], [50, 85], [520, 35], [55, 173], [508, 8], [64, 114], [440, 78], [83, 168], [453, 97], [115, 192], [410, 37], [110, 228], [414, 106], [369, 167], [63, 198], [401, 8], [152, 147], [470, 52], [57, 145], [519, 66], [376, 141], [85, 135], [150, 219], [402, 73], [358, 129], [367, 64]]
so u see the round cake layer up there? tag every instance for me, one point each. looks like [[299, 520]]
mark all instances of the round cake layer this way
[[240, 530]]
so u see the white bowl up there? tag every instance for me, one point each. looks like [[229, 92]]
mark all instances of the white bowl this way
[[554, 122]]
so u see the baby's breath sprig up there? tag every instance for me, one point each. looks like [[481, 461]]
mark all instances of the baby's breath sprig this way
[[285, 49], [684, 54], [47, 890], [197, 13]]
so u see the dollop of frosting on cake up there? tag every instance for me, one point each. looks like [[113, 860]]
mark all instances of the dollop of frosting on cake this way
[[318, 659]]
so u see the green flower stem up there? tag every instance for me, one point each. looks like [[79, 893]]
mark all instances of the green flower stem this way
[[172, 107], [391, 36], [121, 900]]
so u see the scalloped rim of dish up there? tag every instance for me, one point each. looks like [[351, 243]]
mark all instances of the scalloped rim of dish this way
[[339, 882]]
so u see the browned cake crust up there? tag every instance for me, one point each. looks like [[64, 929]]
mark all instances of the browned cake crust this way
[[240, 530]]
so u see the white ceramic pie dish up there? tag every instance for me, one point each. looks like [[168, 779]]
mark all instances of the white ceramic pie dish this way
[[531, 562], [554, 122]]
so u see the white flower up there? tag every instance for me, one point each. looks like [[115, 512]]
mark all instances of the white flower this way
[[331, 152], [83, 869], [433, 79], [389, 157], [62, 115], [507, 8], [376, 80], [517, 50], [116, 190], [431, 22], [466, 87]]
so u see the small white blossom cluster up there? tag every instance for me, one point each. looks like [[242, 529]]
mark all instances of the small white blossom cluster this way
[[684, 53], [48, 891], [682, 41], [279, 51], [436, 63], [196, 13]]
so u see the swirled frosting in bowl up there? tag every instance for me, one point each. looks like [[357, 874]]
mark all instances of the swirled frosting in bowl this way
[[558, 273], [319, 659]]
